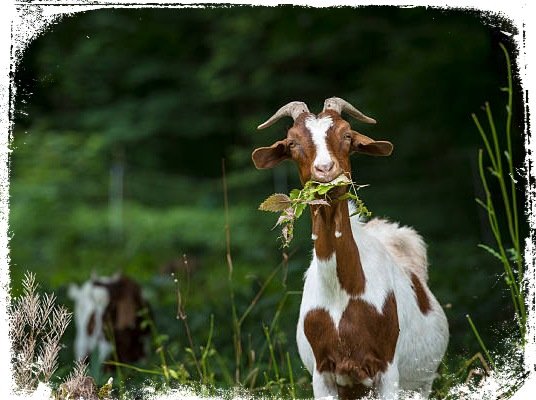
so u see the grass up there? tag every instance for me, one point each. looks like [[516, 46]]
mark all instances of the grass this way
[[507, 246]]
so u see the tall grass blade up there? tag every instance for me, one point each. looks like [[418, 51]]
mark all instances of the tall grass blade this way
[[480, 341]]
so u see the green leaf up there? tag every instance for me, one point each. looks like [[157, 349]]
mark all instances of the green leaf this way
[[513, 254], [322, 190], [294, 194], [491, 251], [293, 206], [299, 209], [349, 195], [275, 203]]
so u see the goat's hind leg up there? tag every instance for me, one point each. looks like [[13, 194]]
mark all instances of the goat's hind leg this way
[[324, 385]]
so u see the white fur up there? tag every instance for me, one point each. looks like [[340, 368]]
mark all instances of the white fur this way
[[422, 339], [90, 299], [404, 244], [319, 129]]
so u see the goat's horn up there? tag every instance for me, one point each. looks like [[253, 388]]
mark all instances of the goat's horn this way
[[340, 105], [292, 109]]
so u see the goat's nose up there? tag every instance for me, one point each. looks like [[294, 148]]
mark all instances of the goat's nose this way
[[324, 167]]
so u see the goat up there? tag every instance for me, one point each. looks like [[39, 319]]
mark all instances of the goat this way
[[368, 322], [107, 314]]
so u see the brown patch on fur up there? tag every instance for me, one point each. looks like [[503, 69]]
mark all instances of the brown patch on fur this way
[[91, 324], [363, 345], [422, 298], [121, 318], [326, 221], [323, 338], [376, 343]]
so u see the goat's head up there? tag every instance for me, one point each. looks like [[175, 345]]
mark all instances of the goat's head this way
[[321, 144]]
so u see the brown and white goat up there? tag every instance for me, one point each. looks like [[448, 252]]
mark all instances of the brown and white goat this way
[[368, 322], [107, 313]]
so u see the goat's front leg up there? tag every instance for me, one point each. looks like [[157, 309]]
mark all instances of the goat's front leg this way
[[324, 385], [388, 386]]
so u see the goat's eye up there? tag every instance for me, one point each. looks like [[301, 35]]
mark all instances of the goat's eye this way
[[348, 136], [291, 144]]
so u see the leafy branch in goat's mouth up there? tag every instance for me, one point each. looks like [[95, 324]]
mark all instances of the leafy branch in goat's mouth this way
[[292, 206]]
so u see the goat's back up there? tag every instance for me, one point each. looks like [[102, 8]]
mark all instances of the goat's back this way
[[404, 245]]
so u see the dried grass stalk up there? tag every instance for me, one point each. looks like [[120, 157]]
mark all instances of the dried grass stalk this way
[[37, 326]]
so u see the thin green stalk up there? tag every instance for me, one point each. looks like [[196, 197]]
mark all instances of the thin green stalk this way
[[110, 333], [485, 140], [159, 347], [275, 319], [134, 368], [500, 177], [509, 200], [181, 314], [291, 377], [280, 307], [259, 294], [237, 335], [492, 217], [495, 138], [480, 341], [271, 349], [206, 352], [509, 137]]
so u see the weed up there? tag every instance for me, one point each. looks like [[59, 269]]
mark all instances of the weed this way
[[37, 326], [510, 257]]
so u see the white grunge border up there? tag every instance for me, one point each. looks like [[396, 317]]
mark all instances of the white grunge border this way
[[21, 21]]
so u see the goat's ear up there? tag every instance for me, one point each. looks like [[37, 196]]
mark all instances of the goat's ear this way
[[364, 144], [268, 157]]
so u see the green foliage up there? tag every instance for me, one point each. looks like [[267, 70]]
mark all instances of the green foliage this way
[[510, 257], [312, 194]]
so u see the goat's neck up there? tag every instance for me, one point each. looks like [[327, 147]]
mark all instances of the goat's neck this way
[[332, 232]]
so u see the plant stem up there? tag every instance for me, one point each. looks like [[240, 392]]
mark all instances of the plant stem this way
[[237, 336], [509, 141], [181, 314], [259, 294], [206, 352], [291, 378], [509, 199], [272, 355], [480, 341]]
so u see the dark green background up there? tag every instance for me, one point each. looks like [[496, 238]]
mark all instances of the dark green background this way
[[166, 94]]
